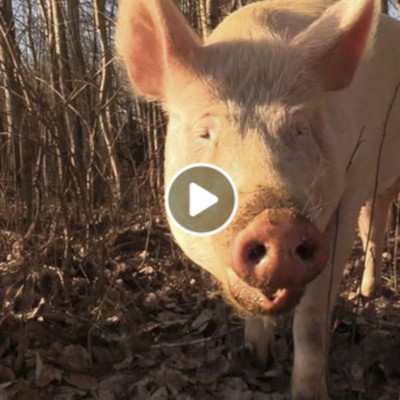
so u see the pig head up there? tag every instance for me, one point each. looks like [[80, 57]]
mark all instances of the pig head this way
[[252, 99]]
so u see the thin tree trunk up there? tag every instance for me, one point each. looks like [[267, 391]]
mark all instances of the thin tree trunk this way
[[384, 6], [16, 114], [105, 95], [64, 73], [81, 100], [57, 136]]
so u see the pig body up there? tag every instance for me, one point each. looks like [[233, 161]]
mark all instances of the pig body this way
[[297, 101]]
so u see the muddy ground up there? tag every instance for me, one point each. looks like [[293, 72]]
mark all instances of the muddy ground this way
[[130, 318]]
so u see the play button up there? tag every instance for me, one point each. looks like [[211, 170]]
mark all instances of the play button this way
[[201, 199]]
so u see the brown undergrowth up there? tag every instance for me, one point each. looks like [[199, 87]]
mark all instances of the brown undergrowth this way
[[128, 317]]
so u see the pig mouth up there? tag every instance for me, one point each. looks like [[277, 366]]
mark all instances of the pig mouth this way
[[255, 301]]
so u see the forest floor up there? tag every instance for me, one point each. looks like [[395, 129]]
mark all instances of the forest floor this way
[[133, 319]]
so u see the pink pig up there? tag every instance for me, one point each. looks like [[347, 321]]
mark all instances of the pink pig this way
[[297, 101]]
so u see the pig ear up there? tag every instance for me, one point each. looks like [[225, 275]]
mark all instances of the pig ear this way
[[155, 43], [335, 44]]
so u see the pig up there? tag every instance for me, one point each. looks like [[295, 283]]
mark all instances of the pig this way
[[373, 237], [297, 101]]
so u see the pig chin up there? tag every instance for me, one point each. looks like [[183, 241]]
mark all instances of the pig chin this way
[[248, 300]]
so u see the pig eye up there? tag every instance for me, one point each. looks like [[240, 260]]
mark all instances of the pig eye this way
[[206, 128], [302, 129], [300, 132], [206, 134]]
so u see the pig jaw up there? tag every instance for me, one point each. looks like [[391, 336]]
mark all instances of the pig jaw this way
[[273, 259], [250, 301]]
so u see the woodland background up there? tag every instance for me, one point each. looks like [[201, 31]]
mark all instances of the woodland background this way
[[96, 302]]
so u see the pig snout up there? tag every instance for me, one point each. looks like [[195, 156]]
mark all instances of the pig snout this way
[[274, 258]]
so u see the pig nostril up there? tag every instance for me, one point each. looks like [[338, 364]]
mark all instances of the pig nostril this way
[[306, 251], [256, 252]]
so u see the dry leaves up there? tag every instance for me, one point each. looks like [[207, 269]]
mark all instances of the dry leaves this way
[[144, 325]]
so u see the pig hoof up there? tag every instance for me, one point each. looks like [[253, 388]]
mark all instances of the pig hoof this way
[[316, 397], [310, 391], [261, 358], [308, 396]]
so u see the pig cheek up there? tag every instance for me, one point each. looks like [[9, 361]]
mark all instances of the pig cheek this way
[[332, 182], [203, 251], [179, 151], [330, 193]]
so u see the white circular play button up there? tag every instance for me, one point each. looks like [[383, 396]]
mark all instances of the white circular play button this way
[[201, 199]]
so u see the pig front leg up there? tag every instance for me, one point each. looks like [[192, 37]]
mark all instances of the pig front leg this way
[[312, 319], [372, 226], [259, 336]]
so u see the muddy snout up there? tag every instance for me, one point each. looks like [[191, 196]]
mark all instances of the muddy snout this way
[[274, 258]]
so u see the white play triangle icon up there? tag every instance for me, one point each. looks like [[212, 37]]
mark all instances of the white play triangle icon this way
[[200, 199]]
